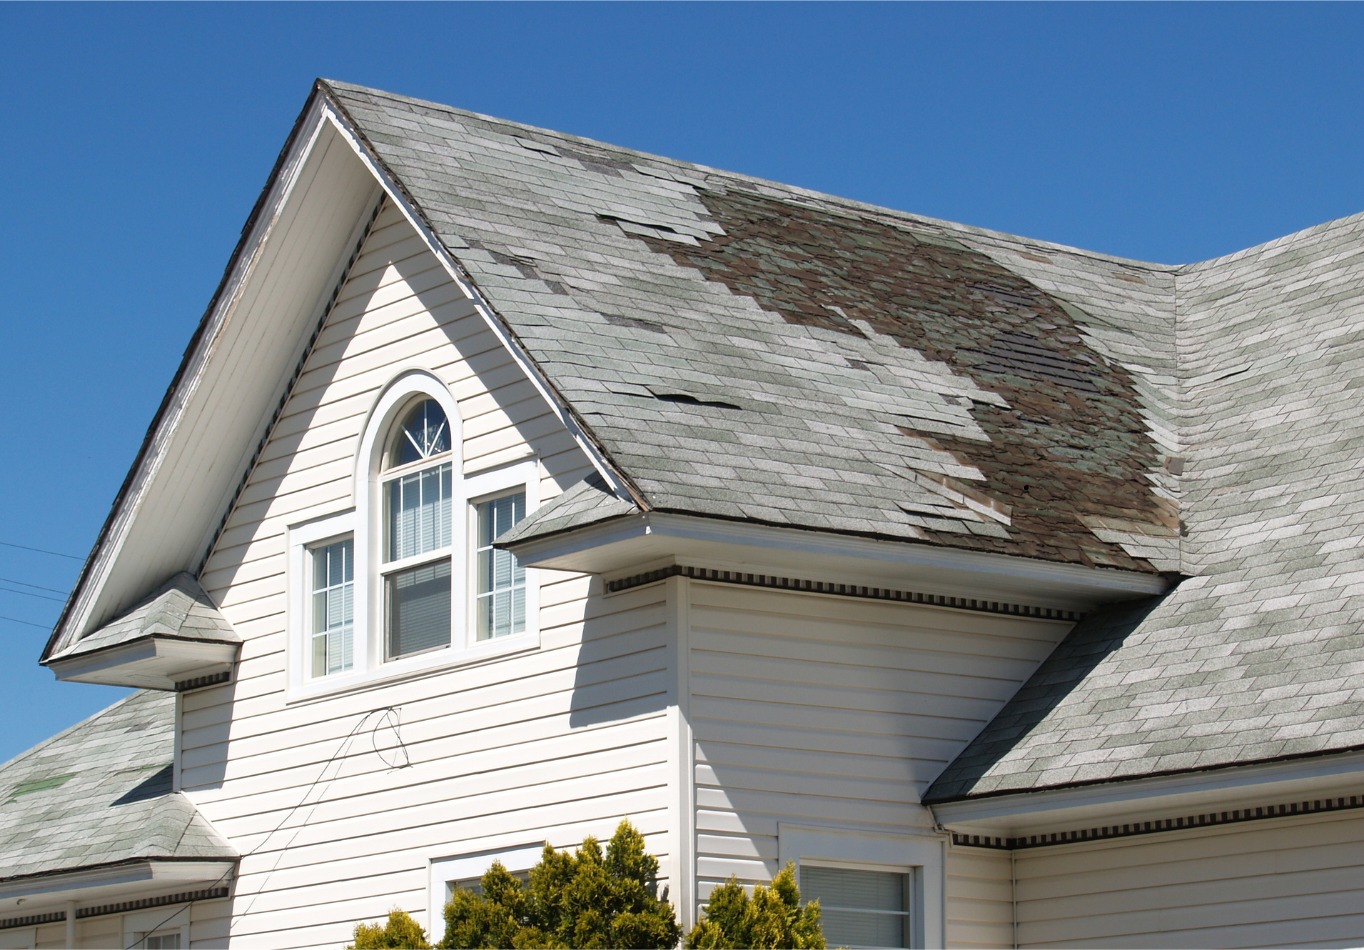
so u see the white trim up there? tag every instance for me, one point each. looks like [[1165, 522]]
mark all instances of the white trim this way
[[441, 871], [681, 754], [54, 887], [1058, 809], [620, 545], [369, 668], [457, 274], [921, 856], [139, 925], [102, 560]]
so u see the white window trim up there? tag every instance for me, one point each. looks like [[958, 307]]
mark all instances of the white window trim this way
[[920, 857], [364, 523], [146, 923], [464, 866]]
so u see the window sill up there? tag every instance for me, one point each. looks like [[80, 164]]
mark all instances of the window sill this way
[[412, 668]]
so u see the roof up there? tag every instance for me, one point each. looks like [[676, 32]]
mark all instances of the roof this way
[[758, 352], [749, 350], [179, 609], [1260, 656], [100, 794]]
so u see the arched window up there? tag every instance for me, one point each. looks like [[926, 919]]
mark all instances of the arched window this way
[[408, 579], [416, 485]]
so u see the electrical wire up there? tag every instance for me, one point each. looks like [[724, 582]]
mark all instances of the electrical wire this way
[[390, 715], [41, 626], [29, 593], [25, 547], [53, 590]]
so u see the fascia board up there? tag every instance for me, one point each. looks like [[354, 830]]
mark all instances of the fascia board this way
[[622, 544], [594, 451], [124, 659], [1149, 798], [291, 197], [152, 452], [94, 884]]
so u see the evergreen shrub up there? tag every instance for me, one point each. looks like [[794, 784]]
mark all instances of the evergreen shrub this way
[[771, 918], [585, 899], [400, 932]]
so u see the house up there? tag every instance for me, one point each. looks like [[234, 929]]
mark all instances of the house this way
[[514, 483]]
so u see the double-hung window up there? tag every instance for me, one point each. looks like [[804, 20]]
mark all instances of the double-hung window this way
[[408, 579], [418, 496], [860, 907]]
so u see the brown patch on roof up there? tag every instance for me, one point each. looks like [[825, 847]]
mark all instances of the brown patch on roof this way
[[1072, 443]]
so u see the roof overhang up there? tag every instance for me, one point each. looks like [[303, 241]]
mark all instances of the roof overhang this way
[[642, 542], [1150, 799], [127, 880], [151, 662]]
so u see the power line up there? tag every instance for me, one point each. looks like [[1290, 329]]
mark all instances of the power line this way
[[29, 593], [10, 580], [25, 547], [15, 620]]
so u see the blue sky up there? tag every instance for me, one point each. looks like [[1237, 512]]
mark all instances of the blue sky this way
[[136, 138]]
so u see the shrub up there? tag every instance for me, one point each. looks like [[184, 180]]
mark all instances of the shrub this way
[[400, 932], [772, 918], [582, 900]]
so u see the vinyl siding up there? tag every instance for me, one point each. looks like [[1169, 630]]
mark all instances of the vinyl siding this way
[[979, 898], [1291, 882], [834, 712], [553, 744]]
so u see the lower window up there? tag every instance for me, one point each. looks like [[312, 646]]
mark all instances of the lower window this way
[[860, 908], [162, 941]]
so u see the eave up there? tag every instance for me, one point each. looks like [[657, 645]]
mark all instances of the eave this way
[[151, 662], [1260, 785], [123, 880], [649, 540]]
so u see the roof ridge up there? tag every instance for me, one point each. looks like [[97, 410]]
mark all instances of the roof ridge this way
[[895, 214]]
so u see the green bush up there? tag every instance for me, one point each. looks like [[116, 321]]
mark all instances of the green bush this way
[[401, 932], [772, 918], [582, 900]]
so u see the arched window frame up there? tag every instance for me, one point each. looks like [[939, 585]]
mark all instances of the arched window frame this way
[[364, 522]]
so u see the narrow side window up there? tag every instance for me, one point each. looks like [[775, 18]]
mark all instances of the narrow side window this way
[[333, 607], [500, 596]]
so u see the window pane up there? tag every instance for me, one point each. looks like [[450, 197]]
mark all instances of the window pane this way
[[848, 928], [418, 513], [501, 593], [333, 607], [425, 432], [859, 908], [418, 609]]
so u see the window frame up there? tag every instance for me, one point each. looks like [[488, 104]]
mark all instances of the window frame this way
[[364, 522], [921, 857], [442, 872]]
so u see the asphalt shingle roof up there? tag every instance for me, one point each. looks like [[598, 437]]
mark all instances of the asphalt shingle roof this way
[[748, 350], [179, 609], [752, 351], [100, 793]]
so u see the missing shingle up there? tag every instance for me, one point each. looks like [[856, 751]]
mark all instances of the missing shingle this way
[[687, 399], [861, 364], [534, 146], [647, 229], [40, 785], [620, 320]]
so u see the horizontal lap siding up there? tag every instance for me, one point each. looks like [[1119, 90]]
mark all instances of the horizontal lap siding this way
[[1292, 882], [838, 712], [979, 898], [553, 744]]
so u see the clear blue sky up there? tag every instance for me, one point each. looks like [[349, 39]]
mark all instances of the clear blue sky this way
[[135, 139]]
